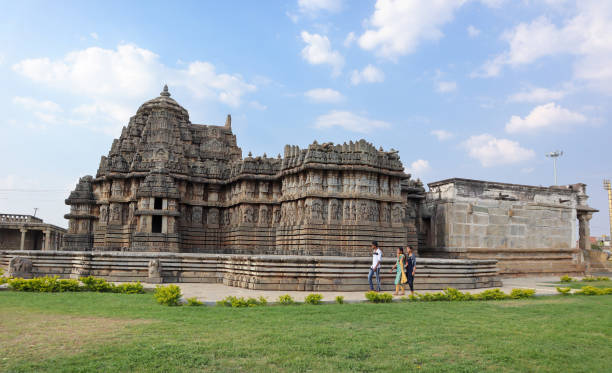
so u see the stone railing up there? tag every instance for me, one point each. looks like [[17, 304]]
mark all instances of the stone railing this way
[[14, 218]]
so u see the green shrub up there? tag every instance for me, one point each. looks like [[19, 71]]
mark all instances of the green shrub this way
[[3, 280], [169, 295], [128, 288], [375, 297], [590, 290], [564, 291], [314, 298], [606, 291], [96, 284], [285, 300], [492, 294], [566, 278], [231, 301], [194, 302], [590, 279], [45, 284], [69, 285], [602, 278], [340, 299], [522, 293]]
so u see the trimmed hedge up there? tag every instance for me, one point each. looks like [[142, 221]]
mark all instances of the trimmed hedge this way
[[53, 284]]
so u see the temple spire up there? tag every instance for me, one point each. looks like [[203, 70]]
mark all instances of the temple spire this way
[[228, 122], [165, 92]]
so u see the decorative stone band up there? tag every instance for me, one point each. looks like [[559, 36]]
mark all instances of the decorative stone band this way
[[259, 272]]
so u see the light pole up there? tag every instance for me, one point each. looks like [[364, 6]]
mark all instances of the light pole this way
[[609, 189], [554, 155]]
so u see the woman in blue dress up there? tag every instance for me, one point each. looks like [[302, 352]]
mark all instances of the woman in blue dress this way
[[410, 268], [400, 275]]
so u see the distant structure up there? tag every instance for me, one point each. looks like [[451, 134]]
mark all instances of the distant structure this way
[[27, 232], [168, 185]]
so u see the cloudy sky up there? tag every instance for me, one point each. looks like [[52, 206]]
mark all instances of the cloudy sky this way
[[477, 89]]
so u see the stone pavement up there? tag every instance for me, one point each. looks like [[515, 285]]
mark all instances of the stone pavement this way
[[210, 293]]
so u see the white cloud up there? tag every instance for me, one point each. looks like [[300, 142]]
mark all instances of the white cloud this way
[[587, 36], [324, 95], [537, 95], [442, 135], [350, 39], [490, 151], [473, 31], [419, 166], [349, 121], [33, 104], [258, 105], [446, 86], [112, 82], [369, 74], [315, 6], [545, 117], [94, 35], [397, 27], [318, 51]]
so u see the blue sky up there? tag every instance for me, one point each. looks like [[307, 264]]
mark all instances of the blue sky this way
[[476, 89]]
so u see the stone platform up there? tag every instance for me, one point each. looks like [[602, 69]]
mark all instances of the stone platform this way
[[257, 272]]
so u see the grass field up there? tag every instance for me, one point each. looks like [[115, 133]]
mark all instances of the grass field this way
[[115, 332], [580, 284]]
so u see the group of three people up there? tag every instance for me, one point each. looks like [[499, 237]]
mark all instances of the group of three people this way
[[404, 268]]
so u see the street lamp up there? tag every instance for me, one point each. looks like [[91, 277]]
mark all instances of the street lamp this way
[[554, 155]]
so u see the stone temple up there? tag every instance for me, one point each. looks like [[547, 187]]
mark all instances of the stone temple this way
[[170, 185], [177, 201]]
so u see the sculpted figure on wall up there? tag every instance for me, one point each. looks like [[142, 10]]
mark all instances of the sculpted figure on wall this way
[[103, 214]]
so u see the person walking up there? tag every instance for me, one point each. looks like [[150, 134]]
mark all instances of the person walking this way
[[375, 268], [410, 268], [400, 274]]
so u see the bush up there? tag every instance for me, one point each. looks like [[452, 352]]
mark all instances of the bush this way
[[194, 302], [313, 298], [564, 291], [522, 293], [340, 299], [128, 288], [3, 280], [96, 284], [566, 278], [375, 297], [168, 295], [231, 301], [492, 294], [589, 290], [45, 284], [285, 300]]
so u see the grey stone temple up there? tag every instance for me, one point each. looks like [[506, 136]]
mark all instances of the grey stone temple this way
[[169, 188]]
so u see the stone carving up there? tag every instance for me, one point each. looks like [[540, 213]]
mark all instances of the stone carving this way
[[103, 214], [20, 267], [155, 272]]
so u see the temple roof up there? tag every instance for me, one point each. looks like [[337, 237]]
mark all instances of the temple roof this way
[[163, 101]]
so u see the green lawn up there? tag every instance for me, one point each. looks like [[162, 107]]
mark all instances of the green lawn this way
[[116, 332], [580, 284]]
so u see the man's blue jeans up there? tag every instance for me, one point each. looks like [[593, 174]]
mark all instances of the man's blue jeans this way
[[377, 274]]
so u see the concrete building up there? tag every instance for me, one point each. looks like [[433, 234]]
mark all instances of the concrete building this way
[[26, 232]]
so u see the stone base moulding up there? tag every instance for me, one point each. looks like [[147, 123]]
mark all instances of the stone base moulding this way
[[257, 272]]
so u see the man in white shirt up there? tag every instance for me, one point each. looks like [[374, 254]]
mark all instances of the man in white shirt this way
[[375, 268]]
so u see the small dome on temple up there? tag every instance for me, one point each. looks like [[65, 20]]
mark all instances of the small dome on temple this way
[[165, 92]]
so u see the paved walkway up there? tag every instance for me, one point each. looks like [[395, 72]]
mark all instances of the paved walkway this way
[[210, 293]]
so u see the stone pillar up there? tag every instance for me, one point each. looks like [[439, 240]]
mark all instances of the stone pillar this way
[[584, 231], [23, 233], [47, 240]]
